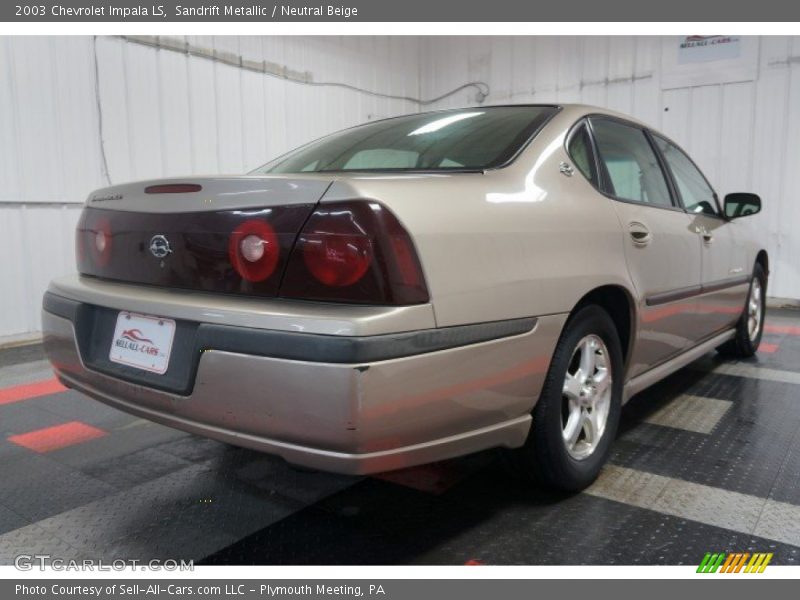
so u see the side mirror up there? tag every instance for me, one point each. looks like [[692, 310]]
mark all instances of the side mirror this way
[[741, 204]]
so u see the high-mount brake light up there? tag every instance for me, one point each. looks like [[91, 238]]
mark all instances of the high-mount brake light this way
[[173, 188]]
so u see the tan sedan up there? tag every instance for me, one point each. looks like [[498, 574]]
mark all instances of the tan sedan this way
[[414, 289]]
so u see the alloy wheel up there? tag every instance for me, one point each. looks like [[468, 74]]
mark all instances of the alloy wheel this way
[[586, 397], [754, 310]]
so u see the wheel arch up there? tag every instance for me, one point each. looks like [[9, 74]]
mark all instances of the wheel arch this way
[[762, 258], [618, 302]]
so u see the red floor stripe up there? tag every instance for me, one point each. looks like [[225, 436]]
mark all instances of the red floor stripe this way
[[769, 348], [790, 329], [30, 390], [58, 436]]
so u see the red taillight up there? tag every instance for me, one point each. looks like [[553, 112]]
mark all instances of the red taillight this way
[[173, 188], [355, 251], [336, 253], [406, 261], [100, 241], [253, 250]]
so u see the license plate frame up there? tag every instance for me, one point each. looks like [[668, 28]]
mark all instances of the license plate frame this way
[[143, 342]]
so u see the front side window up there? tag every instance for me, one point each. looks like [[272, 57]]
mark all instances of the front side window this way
[[633, 169], [464, 139], [697, 195]]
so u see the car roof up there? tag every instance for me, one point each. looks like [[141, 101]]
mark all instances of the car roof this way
[[575, 110], [587, 109]]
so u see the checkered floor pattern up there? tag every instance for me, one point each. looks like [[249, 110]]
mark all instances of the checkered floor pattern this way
[[708, 459]]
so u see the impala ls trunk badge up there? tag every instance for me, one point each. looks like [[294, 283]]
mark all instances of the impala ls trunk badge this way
[[107, 198]]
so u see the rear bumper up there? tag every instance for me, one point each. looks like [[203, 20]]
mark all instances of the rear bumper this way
[[350, 404]]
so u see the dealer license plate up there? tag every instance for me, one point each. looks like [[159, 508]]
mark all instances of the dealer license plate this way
[[142, 342]]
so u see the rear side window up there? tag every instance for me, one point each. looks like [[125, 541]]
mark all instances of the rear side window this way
[[634, 172], [580, 151], [696, 193]]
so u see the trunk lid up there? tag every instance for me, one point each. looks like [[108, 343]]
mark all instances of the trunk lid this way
[[215, 193], [184, 233]]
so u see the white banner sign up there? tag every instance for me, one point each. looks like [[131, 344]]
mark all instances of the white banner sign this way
[[704, 48], [693, 60]]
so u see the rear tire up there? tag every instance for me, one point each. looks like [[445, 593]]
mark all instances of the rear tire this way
[[576, 418], [750, 327]]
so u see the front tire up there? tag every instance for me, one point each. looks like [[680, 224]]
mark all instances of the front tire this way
[[750, 327], [576, 418]]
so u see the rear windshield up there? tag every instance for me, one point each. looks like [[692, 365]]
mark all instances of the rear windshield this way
[[450, 140]]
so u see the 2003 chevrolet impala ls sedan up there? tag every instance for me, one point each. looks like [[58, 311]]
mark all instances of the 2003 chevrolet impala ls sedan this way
[[414, 289]]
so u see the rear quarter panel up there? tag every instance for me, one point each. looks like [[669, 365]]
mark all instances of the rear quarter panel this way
[[525, 240]]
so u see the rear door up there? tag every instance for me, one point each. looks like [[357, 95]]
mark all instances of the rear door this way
[[661, 248], [724, 280]]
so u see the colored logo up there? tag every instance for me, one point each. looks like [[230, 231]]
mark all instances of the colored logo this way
[[136, 336], [734, 562]]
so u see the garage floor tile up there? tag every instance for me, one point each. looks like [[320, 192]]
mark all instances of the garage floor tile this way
[[138, 435], [135, 468], [483, 519], [9, 520], [54, 489]]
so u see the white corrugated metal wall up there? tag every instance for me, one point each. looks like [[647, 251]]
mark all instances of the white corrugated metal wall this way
[[163, 113], [745, 135], [166, 113]]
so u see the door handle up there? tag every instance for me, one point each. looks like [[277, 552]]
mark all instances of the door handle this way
[[639, 233]]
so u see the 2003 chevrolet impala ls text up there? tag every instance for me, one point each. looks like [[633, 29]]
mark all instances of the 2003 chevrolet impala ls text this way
[[414, 289]]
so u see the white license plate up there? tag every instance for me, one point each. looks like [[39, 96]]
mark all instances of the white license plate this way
[[142, 342]]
